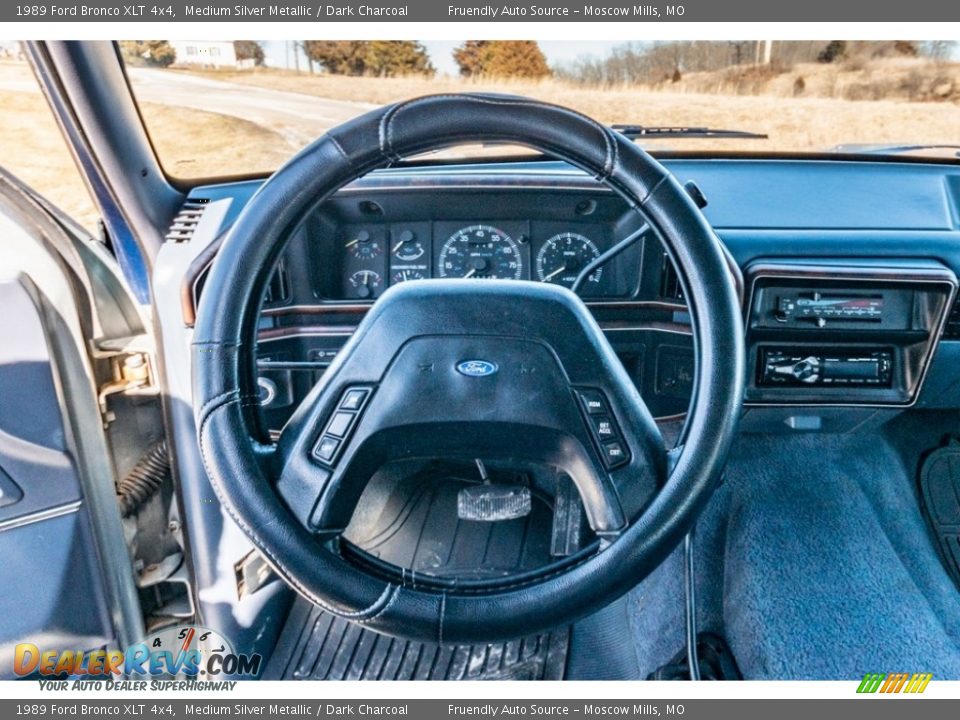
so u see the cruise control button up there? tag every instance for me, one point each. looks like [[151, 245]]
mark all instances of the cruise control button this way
[[340, 424], [353, 399], [613, 453], [327, 448], [593, 401], [604, 427]]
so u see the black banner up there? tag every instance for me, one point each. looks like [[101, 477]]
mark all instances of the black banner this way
[[445, 11], [228, 708]]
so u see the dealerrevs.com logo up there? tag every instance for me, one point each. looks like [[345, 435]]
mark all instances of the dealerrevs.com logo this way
[[183, 651]]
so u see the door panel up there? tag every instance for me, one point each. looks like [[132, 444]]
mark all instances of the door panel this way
[[53, 591], [66, 575]]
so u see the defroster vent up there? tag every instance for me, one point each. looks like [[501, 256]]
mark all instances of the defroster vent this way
[[184, 224]]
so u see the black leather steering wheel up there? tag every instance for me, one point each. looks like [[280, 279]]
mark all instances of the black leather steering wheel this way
[[405, 380]]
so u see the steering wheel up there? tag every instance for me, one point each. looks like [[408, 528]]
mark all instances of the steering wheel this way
[[466, 369]]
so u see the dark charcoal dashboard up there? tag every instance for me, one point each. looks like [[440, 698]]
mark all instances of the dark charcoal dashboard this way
[[847, 272]]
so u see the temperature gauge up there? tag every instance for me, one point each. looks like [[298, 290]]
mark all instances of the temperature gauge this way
[[365, 283]]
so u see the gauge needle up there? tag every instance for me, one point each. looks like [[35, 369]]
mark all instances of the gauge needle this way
[[556, 272], [470, 273], [352, 242], [398, 246]]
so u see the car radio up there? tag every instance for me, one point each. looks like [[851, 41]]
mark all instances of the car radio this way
[[804, 367], [816, 308]]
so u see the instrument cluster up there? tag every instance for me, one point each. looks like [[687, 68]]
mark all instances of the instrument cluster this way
[[372, 257]]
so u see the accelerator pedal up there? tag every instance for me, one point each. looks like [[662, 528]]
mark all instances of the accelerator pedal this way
[[492, 502]]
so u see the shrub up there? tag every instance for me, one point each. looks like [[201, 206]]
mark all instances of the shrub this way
[[835, 50], [501, 58]]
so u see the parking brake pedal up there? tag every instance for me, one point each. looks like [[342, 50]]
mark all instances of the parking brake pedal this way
[[491, 502], [940, 491]]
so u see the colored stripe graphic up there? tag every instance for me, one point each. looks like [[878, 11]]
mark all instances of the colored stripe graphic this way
[[894, 683], [918, 683], [871, 682]]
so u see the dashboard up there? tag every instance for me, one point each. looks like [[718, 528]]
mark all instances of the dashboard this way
[[847, 271]]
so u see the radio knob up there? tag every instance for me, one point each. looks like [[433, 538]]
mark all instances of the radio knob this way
[[807, 370]]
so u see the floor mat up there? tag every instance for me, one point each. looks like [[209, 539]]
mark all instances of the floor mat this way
[[421, 530], [315, 645], [940, 490], [814, 561]]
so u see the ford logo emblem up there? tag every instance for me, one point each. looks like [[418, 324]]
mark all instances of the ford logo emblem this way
[[476, 368]]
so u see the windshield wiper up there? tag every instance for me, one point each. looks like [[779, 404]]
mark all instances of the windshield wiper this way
[[683, 131], [892, 148]]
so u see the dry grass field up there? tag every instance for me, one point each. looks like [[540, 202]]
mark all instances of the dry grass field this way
[[34, 150], [195, 142], [812, 122]]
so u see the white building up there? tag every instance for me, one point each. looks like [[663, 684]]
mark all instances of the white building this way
[[207, 53]]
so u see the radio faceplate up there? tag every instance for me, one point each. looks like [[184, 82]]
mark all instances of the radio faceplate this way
[[809, 367]]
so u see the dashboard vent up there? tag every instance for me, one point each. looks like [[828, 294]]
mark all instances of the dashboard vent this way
[[670, 288], [951, 330], [181, 230]]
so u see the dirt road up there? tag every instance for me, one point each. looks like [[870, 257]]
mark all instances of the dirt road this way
[[298, 118]]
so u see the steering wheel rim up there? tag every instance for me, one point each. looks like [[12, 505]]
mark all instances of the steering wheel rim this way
[[226, 398]]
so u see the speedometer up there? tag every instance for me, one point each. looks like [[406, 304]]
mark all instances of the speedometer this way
[[480, 251], [562, 257]]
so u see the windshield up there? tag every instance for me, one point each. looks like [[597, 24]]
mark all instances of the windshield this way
[[220, 108]]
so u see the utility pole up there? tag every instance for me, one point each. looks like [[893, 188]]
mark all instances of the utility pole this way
[[763, 48]]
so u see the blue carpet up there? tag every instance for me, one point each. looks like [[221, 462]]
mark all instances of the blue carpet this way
[[814, 561]]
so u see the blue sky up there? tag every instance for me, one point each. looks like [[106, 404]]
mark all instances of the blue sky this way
[[557, 51]]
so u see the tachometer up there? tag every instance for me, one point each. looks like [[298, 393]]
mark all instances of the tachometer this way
[[562, 257], [480, 251]]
